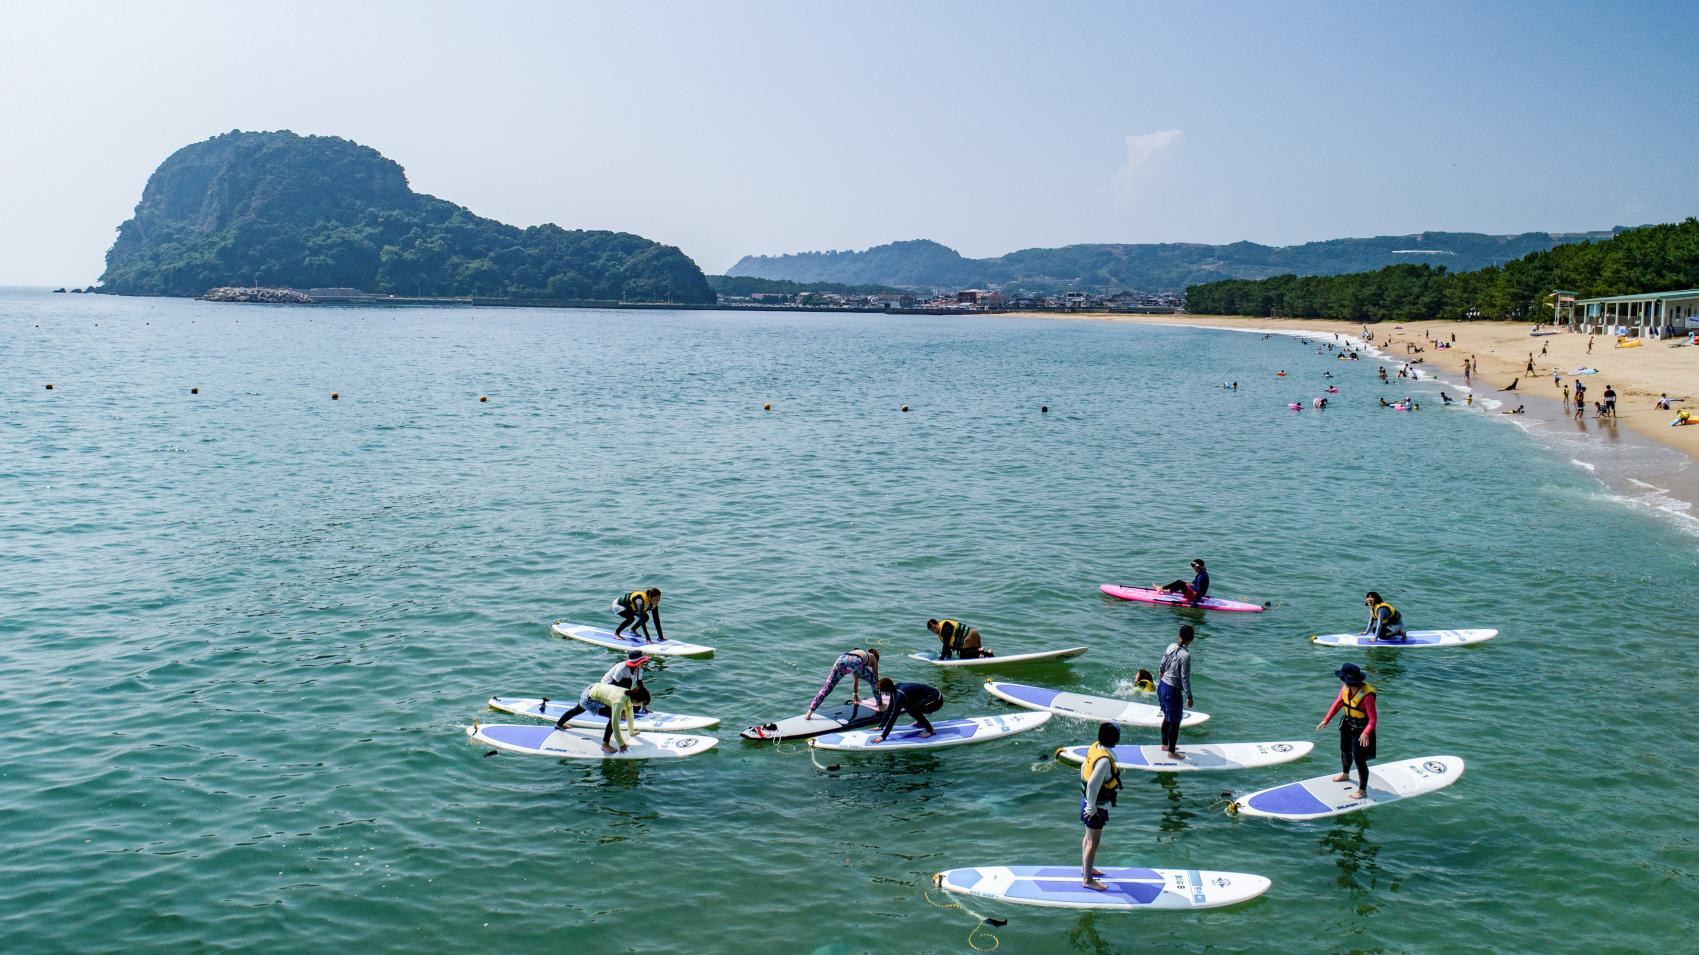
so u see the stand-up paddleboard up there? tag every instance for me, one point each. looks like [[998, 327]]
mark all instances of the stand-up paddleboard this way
[[1201, 757], [1066, 654], [552, 710], [1126, 889], [1101, 709], [606, 638], [1415, 638], [959, 732], [847, 716], [533, 740], [1321, 797], [1148, 596]]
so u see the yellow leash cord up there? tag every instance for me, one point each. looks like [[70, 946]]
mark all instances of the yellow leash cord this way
[[978, 927]]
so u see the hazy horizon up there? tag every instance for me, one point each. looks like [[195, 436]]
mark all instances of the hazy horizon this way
[[769, 129]]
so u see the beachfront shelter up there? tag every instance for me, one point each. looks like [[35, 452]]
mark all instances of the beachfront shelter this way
[[1650, 314]]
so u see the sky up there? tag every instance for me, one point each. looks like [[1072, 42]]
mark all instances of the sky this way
[[729, 128]]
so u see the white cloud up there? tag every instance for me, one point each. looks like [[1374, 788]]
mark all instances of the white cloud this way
[[1142, 151]]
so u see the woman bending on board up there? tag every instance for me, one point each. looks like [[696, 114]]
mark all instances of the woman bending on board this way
[[621, 704], [1385, 622], [958, 640], [858, 664], [1100, 781], [915, 699], [1174, 678], [1357, 727], [1194, 591], [627, 673], [636, 608]]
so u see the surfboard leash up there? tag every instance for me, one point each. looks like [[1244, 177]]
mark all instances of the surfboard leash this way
[[979, 926], [813, 759]]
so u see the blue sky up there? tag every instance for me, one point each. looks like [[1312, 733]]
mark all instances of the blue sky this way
[[728, 128]]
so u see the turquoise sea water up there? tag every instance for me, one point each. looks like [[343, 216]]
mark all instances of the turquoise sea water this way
[[240, 632]]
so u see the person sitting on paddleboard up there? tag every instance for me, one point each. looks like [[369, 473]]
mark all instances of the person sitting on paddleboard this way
[[1356, 729], [621, 704], [1100, 782], [635, 609], [915, 699], [858, 664], [1385, 622], [958, 640], [1174, 677], [1194, 591]]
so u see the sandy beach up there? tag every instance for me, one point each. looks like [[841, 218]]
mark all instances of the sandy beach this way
[[1502, 350]]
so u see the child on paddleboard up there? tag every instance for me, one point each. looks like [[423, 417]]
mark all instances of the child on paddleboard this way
[[958, 639], [635, 609], [1194, 591], [1357, 727], [1100, 781], [621, 703]]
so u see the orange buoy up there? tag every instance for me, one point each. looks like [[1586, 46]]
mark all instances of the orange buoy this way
[[483, 398], [334, 396], [767, 407]]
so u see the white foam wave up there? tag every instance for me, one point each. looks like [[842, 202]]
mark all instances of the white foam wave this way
[[1589, 468]]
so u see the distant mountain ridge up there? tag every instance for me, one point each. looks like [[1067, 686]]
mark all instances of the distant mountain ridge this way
[[280, 209], [1154, 267]]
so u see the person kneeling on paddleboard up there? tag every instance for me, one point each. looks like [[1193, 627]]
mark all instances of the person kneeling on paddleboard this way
[[1385, 622], [1100, 782], [915, 699], [856, 664], [1194, 591], [621, 704], [635, 609], [1174, 678], [1357, 727], [958, 640]]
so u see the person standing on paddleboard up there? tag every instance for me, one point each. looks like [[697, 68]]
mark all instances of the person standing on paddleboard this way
[[1194, 591], [635, 609], [858, 664], [958, 639], [1174, 678], [915, 699], [1100, 782], [1357, 727], [1385, 622]]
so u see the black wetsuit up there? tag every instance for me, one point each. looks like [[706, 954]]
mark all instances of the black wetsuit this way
[[915, 699]]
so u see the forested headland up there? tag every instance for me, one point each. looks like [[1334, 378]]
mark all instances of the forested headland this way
[[1648, 259], [279, 209]]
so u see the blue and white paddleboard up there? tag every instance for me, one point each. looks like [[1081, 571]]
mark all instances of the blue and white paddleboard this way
[[1128, 889], [1101, 709], [552, 710], [1200, 757], [1413, 639], [533, 740], [623, 642], [1034, 657], [959, 732], [1321, 797], [851, 714]]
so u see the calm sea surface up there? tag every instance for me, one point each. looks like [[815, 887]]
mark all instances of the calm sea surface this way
[[241, 632]]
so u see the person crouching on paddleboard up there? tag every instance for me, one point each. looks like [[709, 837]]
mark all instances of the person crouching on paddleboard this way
[[621, 704], [958, 640], [627, 673], [1174, 677], [1100, 782], [858, 664], [1385, 622], [1356, 728], [635, 609], [1194, 591], [915, 699]]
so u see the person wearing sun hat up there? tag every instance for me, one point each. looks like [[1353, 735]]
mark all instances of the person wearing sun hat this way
[[1356, 727]]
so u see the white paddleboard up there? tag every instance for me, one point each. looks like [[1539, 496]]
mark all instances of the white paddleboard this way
[[534, 740], [1412, 639], [1321, 797], [623, 642], [1128, 889], [1101, 709], [847, 716], [551, 710], [1202, 757], [958, 732], [1065, 654]]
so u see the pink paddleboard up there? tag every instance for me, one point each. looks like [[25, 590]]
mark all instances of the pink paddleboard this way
[[1143, 595]]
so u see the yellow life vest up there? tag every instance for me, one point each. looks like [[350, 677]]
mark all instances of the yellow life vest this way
[[1393, 619], [1353, 706], [950, 630], [637, 601], [1112, 785]]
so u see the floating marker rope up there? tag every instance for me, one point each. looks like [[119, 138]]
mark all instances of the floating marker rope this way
[[978, 927]]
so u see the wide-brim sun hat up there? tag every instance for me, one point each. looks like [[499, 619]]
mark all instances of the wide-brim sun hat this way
[[1350, 673]]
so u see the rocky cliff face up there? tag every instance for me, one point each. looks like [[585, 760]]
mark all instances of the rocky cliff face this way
[[279, 209]]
